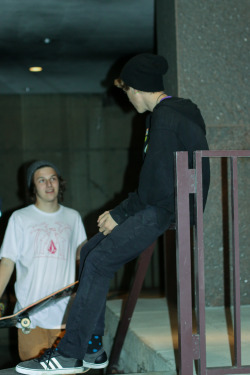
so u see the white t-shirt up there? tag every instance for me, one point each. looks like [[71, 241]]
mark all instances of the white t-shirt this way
[[43, 246]]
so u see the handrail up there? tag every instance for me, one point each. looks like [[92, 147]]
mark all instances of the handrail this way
[[193, 346]]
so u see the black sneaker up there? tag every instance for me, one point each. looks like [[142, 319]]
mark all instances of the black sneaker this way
[[51, 362], [96, 360]]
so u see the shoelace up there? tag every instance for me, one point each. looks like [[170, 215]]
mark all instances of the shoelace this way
[[46, 356]]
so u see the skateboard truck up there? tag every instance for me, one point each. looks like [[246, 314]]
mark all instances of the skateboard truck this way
[[25, 323]]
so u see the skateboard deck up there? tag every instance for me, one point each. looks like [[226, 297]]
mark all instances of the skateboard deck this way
[[22, 316]]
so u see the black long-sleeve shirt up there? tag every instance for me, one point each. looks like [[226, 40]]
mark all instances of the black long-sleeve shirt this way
[[174, 125]]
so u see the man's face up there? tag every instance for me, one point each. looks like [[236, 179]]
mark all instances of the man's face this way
[[46, 185]]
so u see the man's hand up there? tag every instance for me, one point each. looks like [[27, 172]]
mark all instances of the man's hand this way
[[106, 223]]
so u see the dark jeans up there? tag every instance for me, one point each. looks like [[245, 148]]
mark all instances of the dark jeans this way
[[101, 257]]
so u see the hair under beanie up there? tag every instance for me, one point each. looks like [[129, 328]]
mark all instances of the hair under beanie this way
[[144, 72], [37, 165]]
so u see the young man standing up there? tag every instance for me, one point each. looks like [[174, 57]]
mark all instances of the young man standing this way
[[43, 242], [173, 124]]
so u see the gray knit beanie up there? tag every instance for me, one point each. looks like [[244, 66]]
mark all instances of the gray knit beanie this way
[[37, 165]]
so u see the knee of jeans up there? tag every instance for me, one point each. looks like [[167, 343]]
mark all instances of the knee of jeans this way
[[98, 264]]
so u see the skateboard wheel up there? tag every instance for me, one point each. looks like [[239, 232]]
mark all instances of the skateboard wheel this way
[[25, 322]]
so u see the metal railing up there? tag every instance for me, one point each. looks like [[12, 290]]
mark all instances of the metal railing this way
[[193, 346]]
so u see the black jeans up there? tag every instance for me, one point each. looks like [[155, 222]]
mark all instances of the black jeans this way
[[101, 257]]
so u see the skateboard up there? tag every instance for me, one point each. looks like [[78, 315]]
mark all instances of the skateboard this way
[[22, 316]]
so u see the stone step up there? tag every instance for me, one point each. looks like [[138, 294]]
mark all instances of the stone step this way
[[12, 371], [151, 344], [9, 371], [150, 341]]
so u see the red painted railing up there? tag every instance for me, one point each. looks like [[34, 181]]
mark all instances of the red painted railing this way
[[193, 346]]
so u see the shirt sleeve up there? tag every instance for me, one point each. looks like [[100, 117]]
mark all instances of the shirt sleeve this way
[[13, 240], [81, 232], [127, 207]]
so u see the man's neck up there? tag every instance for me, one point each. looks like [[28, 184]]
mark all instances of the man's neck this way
[[49, 207], [152, 99]]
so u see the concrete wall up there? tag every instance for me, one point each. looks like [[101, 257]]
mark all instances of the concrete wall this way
[[207, 45]]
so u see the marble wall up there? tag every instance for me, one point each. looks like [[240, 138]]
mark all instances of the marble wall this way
[[207, 46]]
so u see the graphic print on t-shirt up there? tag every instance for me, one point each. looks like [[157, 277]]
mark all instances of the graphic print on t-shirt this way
[[51, 241], [52, 248]]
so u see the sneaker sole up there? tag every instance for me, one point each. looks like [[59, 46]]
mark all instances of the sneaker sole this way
[[23, 370], [95, 365]]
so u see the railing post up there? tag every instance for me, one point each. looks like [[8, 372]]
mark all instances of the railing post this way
[[185, 184], [236, 261], [199, 266]]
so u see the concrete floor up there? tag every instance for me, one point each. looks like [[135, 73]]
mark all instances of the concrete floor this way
[[151, 343]]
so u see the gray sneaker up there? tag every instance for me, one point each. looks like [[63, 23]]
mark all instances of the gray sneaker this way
[[96, 360], [51, 363]]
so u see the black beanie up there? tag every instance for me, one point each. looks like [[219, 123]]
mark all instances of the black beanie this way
[[144, 72]]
